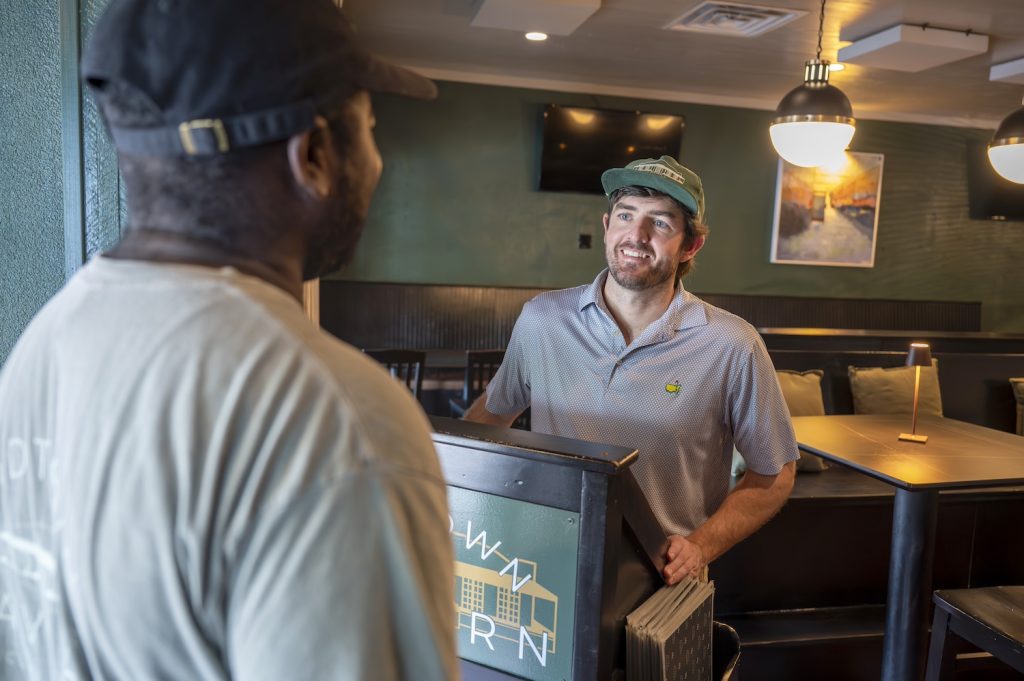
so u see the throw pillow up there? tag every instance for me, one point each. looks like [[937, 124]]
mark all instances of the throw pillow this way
[[878, 390], [802, 392], [1018, 392]]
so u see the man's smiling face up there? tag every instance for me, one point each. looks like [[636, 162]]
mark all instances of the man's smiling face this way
[[643, 241]]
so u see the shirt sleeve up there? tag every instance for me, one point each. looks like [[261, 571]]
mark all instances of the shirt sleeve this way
[[509, 390], [762, 429], [352, 580]]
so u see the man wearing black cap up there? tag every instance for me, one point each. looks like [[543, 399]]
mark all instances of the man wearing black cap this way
[[634, 359], [195, 481]]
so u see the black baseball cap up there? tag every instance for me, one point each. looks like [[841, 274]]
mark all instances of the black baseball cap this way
[[227, 74]]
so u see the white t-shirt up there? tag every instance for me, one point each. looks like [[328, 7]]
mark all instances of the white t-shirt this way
[[197, 483]]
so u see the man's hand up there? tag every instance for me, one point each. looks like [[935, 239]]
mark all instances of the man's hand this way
[[683, 557]]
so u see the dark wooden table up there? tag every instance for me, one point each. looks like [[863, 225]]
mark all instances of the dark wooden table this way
[[957, 455]]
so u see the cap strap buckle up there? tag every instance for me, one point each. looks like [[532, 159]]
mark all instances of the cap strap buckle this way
[[213, 124]]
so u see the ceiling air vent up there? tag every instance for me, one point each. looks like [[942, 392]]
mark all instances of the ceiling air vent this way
[[734, 19]]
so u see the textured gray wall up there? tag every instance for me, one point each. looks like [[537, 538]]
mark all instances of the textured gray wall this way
[[104, 215], [31, 200]]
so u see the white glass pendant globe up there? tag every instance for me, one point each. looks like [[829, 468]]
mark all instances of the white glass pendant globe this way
[[1006, 150], [1008, 161], [811, 143]]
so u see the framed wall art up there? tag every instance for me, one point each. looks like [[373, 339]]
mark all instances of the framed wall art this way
[[828, 215]]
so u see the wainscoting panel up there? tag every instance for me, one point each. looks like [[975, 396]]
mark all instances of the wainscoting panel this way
[[478, 317]]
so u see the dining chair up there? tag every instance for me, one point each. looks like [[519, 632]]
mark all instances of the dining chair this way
[[481, 365], [404, 365], [991, 618]]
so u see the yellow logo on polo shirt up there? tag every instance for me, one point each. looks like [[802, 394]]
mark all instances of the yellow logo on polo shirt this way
[[673, 388]]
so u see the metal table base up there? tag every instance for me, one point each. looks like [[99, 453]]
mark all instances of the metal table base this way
[[904, 648]]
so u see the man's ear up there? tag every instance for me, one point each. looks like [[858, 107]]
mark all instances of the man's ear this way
[[697, 244], [309, 159], [604, 221]]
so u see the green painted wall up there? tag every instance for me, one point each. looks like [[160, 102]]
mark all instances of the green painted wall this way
[[458, 205], [31, 199]]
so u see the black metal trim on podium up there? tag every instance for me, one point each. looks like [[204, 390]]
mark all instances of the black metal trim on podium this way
[[620, 541]]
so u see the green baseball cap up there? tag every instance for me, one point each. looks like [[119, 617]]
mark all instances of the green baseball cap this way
[[665, 175]]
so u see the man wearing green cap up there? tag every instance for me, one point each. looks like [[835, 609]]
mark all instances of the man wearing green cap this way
[[634, 359]]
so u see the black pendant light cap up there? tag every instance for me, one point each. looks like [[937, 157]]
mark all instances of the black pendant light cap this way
[[814, 102], [1011, 130]]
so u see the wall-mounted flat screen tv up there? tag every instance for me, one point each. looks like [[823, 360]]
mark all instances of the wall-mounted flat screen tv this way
[[580, 144], [990, 196]]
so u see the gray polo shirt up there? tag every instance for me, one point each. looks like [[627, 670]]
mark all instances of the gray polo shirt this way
[[693, 384]]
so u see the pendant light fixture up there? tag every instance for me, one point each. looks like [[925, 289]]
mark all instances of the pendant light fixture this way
[[1006, 150], [813, 123]]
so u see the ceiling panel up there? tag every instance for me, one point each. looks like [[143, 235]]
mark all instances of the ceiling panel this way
[[624, 49]]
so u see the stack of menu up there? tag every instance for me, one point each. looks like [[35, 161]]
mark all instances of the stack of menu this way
[[668, 638]]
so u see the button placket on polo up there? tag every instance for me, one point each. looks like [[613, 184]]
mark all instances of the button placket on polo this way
[[616, 365], [619, 351], [614, 342]]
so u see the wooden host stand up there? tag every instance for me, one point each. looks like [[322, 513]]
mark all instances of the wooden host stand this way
[[554, 545]]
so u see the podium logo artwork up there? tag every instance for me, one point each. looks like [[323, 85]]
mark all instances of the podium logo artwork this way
[[515, 583], [499, 598]]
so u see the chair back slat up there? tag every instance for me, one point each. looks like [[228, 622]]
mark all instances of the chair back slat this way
[[481, 365], [404, 365]]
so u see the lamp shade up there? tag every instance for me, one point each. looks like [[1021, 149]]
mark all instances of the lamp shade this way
[[811, 143], [920, 355], [814, 122], [1006, 150]]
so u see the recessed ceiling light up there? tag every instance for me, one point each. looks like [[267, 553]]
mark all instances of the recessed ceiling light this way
[[836, 67], [536, 36]]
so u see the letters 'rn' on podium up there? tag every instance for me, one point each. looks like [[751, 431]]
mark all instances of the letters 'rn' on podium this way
[[554, 545]]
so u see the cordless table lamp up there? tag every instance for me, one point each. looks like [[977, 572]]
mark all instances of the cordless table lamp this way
[[920, 355]]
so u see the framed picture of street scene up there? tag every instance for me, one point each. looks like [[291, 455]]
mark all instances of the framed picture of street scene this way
[[828, 215]]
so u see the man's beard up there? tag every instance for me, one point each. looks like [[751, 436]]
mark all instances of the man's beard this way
[[335, 244], [639, 276]]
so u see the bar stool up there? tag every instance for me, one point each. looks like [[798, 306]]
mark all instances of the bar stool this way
[[990, 618], [725, 652]]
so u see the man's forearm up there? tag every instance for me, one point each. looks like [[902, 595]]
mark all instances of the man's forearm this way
[[478, 413], [750, 505]]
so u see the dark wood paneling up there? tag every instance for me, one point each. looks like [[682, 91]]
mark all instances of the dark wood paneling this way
[[423, 317], [845, 340], [845, 313], [479, 317]]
